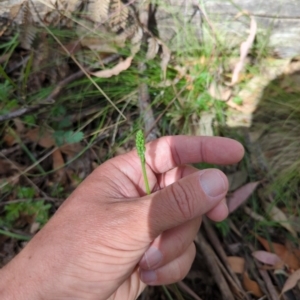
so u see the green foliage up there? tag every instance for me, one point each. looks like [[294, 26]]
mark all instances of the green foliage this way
[[65, 122], [25, 192], [223, 227], [30, 120], [27, 208], [237, 100], [67, 137], [5, 91]]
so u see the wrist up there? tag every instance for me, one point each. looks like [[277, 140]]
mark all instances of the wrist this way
[[16, 282]]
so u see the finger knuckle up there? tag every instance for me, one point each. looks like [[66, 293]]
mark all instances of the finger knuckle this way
[[183, 200]]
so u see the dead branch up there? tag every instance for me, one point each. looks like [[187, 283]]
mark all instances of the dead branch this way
[[211, 235], [211, 261]]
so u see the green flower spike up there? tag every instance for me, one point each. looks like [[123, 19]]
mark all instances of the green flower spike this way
[[140, 147]]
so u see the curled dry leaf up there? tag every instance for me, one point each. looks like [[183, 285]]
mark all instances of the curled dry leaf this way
[[279, 216], [241, 195], [116, 70], [268, 258], [291, 281], [237, 264], [153, 48], [244, 50], [286, 255], [251, 286], [165, 58]]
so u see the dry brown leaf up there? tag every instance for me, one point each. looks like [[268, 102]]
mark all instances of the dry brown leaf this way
[[204, 126], [286, 255], [241, 195], [94, 44], [251, 286], [268, 258], [116, 70], [153, 47], [219, 92], [291, 281], [9, 140], [279, 216], [244, 50], [237, 264], [58, 163], [44, 137], [237, 179], [34, 227], [253, 214], [19, 125], [136, 41], [71, 150], [165, 58], [58, 160]]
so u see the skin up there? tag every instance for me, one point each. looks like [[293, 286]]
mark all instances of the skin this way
[[109, 239]]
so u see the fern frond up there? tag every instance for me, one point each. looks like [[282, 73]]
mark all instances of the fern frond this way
[[99, 10], [28, 30], [118, 15]]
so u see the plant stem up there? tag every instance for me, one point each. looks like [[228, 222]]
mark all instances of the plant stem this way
[[167, 292], [140, 147], [15, 235], [146, 179]]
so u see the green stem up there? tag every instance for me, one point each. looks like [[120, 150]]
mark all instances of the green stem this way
[[146, 179], [15, 235], [167, 292]]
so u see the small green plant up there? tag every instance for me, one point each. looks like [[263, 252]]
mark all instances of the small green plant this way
[[13, 211], [67, 137], [38, 209], [223, 227], [140, 147]]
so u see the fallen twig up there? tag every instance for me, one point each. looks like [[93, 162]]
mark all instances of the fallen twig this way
[[211, 261], [184, 287], [211, 235]]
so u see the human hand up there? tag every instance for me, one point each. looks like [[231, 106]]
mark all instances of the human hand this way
[[109, 239]]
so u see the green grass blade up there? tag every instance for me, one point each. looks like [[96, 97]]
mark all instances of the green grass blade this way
[[15, 235]]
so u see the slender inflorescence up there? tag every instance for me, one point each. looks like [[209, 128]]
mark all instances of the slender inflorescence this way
[[140, 147]]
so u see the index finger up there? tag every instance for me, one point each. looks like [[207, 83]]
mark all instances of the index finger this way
[[170, 151]]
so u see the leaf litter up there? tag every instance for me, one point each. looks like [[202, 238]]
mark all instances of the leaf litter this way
[[65, 171]]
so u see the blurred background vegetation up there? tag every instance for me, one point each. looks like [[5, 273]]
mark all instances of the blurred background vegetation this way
[[77, 82]]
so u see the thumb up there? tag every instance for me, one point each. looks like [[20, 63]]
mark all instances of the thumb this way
[[186, 199]]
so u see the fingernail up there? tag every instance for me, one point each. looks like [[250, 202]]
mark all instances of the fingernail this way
[[148, 276], [151, 258], [212, 183]]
